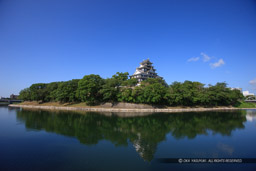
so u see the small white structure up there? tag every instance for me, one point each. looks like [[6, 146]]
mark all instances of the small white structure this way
[[247, 93]]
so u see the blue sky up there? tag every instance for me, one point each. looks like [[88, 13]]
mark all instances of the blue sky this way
[[57, 40]]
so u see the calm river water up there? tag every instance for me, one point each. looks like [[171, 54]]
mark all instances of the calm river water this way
[[47, 140]]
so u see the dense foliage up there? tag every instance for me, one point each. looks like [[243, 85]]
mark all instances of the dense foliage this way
[[88, 89], [93, 89]]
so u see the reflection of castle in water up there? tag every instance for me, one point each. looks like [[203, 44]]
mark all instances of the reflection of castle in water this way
[[250, 115], [137, 146], [143, 132], [145, 149]]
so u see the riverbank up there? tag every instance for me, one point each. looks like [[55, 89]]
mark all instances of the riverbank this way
[[121, 107]]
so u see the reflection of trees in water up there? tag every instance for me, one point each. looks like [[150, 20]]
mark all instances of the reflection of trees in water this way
[[190, 125], [144, 132]]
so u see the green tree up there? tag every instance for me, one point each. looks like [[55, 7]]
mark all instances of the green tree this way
[[120, 76], [51, 89], [111, 88], [235, 96], [151, 91], [66, 91], [88, 89], [220, 95], [25, 94], [130, 82], [125, 95], [217, 94], [38, 92], [92, 89], [175, 93], [192, 93], [188, 93]]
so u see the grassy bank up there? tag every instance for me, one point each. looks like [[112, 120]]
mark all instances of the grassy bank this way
[[131, 105], [35, 103], [245, 105], [127, 109], [115, 105]]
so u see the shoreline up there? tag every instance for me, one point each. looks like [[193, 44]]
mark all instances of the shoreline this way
[[102, 109]]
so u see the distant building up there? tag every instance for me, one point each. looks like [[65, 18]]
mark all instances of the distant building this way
[[144, 71], [12, 96], [247, 93]]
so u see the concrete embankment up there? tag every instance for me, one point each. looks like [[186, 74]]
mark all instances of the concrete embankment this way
[[153, 110]]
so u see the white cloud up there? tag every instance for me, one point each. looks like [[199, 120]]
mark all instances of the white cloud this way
[[253, 82], [217, 64], [193, 59], [206, 58]]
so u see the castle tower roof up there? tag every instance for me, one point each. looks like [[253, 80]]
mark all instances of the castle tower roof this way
[[144, 71]]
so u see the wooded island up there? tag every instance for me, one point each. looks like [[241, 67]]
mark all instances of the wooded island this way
[[93, 90]]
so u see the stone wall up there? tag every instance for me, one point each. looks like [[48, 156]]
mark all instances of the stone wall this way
[[126, 110]]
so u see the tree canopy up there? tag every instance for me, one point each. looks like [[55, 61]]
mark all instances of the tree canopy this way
[[89, 87], [93, 89]]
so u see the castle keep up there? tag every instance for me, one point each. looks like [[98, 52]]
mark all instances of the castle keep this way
[[144, 71]]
